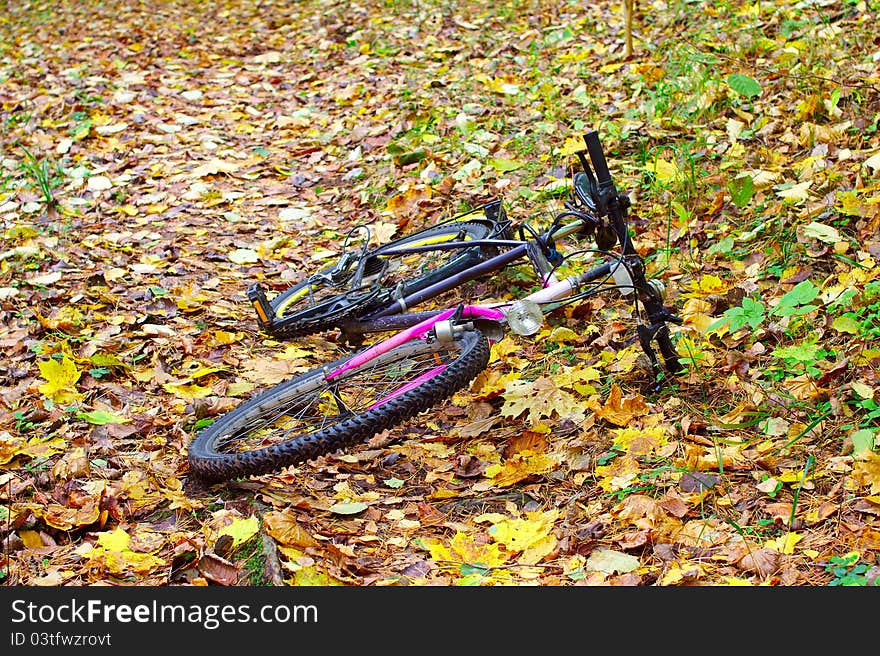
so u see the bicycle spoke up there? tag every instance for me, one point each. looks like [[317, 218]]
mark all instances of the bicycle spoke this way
[[329, 404]]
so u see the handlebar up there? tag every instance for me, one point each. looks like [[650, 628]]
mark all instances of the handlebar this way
[[597, 156]]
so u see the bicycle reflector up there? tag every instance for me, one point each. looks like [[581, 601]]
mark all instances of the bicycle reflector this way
[[525, 317]]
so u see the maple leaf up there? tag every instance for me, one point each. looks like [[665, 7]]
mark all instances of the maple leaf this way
[[531, 536], [61, 378], [520, 466], [618, 475], [642, 442], [617, 409], [866, 470], [541, 398], [464, 549]]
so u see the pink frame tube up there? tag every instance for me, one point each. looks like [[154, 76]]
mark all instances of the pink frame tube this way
[[418, 331]]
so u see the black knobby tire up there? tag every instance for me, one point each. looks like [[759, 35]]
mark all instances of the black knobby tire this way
[[217, 453], [325, 313]]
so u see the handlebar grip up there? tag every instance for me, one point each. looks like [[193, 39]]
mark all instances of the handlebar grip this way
[[597, 156]]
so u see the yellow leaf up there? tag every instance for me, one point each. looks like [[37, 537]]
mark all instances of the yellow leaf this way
[[785, 543], [313, 576], [663, 170], [241, 530], [571, 146], [31, 539], [504, 85], [578, 379], [114, 540], [845, 324], [112, 553], [707, 285], [519, 467], [61, 378], [186, 391], [540, 398], [213, 167], [9, 446], [681, 571], [644, 442], [463, 549], [866, 470], [560, 335], [796, 193], [225, 337], [532, 536]]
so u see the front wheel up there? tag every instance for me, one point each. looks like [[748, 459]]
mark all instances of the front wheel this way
[[309, 415]]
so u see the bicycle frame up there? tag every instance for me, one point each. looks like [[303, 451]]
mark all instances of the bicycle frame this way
[[522, 248], [496, 313], [601, 212]]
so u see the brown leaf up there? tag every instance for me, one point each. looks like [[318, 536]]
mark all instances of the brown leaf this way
[[469, 467], [526, 441], [697, 481], [762, 562], [617, 409], [66, 519], [283, 527], [217, 569]]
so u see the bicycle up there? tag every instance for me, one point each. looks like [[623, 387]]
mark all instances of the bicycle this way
[[360, 284], [439, 352]]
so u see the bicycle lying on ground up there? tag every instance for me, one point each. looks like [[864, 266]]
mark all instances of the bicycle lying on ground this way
[[435, 353]]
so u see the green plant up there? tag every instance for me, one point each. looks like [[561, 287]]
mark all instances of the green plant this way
[[847, 570], [251, 552], [44, 173], [797, 301], [749, 313], [801, 358], [22, 423]]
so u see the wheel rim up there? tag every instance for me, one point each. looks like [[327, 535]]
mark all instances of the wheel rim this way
[[321, 404]]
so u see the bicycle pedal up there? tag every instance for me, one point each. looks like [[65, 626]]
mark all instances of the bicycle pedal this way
[[258, 299]]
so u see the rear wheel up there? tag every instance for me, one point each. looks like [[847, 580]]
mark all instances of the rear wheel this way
[[308, 415], [319, 302]]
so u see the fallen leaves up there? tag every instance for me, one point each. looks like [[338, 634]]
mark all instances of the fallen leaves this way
[[617, 409], [539, 399], [126, 328]]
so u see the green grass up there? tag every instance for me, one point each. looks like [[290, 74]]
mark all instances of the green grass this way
[[44, 175]]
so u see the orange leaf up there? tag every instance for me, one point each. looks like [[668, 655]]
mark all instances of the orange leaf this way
[[618, 410]]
